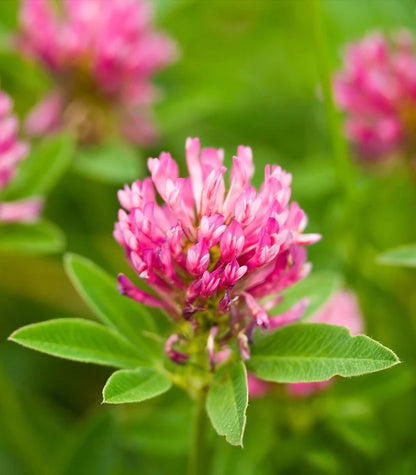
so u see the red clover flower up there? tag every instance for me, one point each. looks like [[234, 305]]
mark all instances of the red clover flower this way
[[215, 258], [13, 151], [102, 55]]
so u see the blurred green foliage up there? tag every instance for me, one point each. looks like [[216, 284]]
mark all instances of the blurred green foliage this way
[[248, 73]]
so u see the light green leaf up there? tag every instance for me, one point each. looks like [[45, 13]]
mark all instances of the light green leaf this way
[[37, 238], [164, 9], [318, 288], [135, 385], [99, 290], [113, 162], [78, 340], [316, 352], [42, 169], [400, 256], [227, 402]]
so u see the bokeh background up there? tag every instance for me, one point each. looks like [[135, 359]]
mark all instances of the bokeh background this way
[[248, 73]]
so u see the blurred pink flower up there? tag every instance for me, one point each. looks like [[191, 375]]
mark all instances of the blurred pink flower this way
[[103, 55], [342, 309], [23, 211], [376, 88], [212, 255], [258, 387], [12, 151]]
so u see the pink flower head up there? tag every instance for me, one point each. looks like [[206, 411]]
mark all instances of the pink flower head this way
[[103, 55], [341, 309], [210, 253], [376, 88], [12, 151]]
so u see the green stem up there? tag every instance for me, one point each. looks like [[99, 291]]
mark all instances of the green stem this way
[[198, 449], [21, 437], [343, 166]]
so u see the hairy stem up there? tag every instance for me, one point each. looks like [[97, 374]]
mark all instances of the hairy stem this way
[[198, 448]]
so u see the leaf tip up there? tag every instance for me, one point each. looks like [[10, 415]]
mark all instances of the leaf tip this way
[[235, 443], [13, 335], [68, 258], [106, 398], [396, 359]]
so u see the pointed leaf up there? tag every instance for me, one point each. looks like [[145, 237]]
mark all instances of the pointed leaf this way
[[78, 340], [42, 169], [318, 288], [316, 352], [113, 162], [227, 402], [99, 290], [135, 385], [41, 237], [400, 256]]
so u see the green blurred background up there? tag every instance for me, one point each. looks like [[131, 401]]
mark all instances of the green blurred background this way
[[248, 73]]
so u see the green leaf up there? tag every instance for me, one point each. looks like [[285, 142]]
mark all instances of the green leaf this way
[[231, 460], [164, 9], [400, 256], [361, 432], [37, 238], [78, 340], [42, 169], [135, 385], [316, 352], [227, 402], [315, 178], [323, 461], [91, 448], [113, 162], [8, 15], [318, 287], [99, 290], [25, 75], [153, 425]]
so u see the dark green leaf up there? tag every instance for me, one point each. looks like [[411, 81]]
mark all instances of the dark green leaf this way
[[42, 169], [362, 432], [42, 237], [90, 449], [110, 162], [153, 425]]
